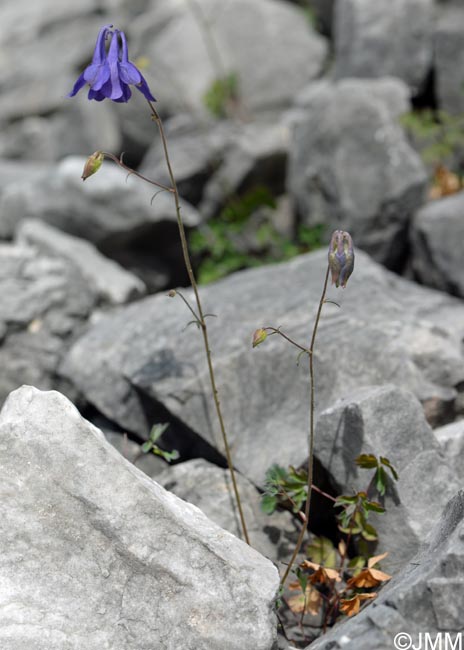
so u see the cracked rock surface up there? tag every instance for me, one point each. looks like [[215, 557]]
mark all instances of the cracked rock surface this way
[[388, 330]]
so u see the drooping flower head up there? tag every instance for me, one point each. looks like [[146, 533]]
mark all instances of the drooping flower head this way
[[341, 257], [111, 73]]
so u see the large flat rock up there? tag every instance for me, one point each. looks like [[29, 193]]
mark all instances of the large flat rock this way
[[388, 330], [96, 555]]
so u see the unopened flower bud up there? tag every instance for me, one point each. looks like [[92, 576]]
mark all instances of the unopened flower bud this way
[[93, 164], [259, 336], [172, 293], [341, 257]]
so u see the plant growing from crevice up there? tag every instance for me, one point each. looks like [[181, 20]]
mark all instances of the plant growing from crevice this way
[[222, 97], [340, 266], [151, 445], [109, 76], [244, 235], [329, 583]]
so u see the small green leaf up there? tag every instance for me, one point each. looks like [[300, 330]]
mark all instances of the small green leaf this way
[[322, 551], [276, 475], [221, 92], [352, 529], [146, 447], [387, 463], [278, 601], [167, 455], [345, 517], [268, 504], [298, 477], [357, 564], [369, 533], [299, 497], [344, 522], [157, 431], [302, 579], [363, 547], [170, 455], [345, 500], [374, 507], [349, 510], [380, 479], [367, 461]]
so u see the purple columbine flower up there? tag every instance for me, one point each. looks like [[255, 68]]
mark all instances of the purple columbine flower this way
[[341, 257], [111, 73]]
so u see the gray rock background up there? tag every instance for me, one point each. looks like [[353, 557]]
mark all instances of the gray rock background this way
[[317, 121]]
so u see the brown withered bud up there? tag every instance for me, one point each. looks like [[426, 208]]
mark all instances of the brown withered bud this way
[[93, 164], [172, 293]]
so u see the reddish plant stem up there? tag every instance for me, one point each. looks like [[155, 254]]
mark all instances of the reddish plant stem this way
[[311, 429]]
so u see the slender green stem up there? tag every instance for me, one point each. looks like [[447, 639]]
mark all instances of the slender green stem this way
[[311, 430], [201, 318]]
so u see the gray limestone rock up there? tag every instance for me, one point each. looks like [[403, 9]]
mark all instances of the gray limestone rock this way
[[112, 211], [449, 58], [324, 14], [384, 38], [45, 303], [15, 171], [193, 43], [425, 598], [151, 465], [388, 422], [388, 330], [110, 281], [217, 160], [256, 157], [106, 205], [51, 32], [75, 128], [209, 488], [436, 231], [196, 148], [94, 553], [451, 438], [352, 167]]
